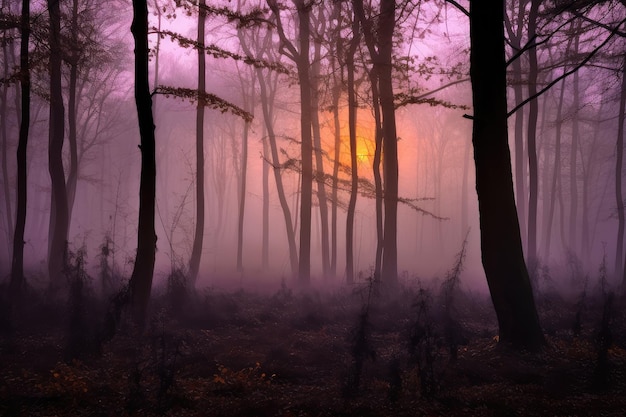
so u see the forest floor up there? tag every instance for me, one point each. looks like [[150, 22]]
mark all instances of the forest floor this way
[[351, 352]]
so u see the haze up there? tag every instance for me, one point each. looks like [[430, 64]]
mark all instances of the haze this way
[[577, 216]]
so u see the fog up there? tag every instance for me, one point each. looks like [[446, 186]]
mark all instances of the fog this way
[[438, 204]]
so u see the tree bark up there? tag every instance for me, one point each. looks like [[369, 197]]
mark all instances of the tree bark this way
[[140, 284], [501, 244]]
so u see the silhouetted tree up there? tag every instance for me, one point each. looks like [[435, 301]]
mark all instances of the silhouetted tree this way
[[300, 56], [59, 221], [17, 264], [501, 244], [140, 284], [379, 41]]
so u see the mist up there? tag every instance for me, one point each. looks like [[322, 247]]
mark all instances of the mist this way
[[435, 162], [312, 208]]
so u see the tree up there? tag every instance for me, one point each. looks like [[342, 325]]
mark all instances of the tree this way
[[59, 220], [352, 115], [140, 283], [196, 252], [501, 244], [533, 111], [300, 56], [17, 264], [379, 43]]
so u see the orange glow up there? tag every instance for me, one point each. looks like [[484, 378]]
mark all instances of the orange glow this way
[[364, 137]]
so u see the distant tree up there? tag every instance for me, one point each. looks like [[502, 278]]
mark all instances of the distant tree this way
[[501, 244], [198, 236], [268, 82]]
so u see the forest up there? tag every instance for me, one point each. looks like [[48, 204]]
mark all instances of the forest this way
[[312, 208]]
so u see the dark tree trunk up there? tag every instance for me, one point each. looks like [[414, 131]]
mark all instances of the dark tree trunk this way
[[533, 111], [59, 220], [354, 189], [8, 209], [501, 244], [386, 25], [306, 147], [198, 237], [72, 176], [520, 162], [378, 181], [620, 143], [380, 47], [573, 177], [17, 264], [619, 165], [140, 284]]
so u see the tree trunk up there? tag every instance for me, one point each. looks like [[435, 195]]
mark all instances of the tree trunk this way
[[354, 189], [266, 204], [386, 25], [17, 263], [140, 284], [59, 220], [501, 244], [378, 181], [556, 175], [3, 125], [306, 146], [336, 91], [198, 237], [72, 176], [619, 158], [242, 192], [319, 159], [533, 111], [266, 102], [520, 163], [573, 178]]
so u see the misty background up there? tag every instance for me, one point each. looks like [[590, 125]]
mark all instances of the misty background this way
[[576, 134]]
